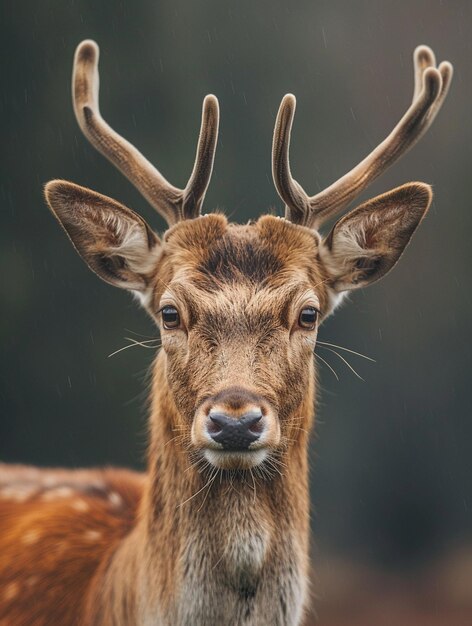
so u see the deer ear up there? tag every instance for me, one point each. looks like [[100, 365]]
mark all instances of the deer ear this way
[[115, 242], [367, 242]]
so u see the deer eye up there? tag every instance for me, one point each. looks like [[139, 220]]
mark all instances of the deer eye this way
[[307, 318], [170, 317]]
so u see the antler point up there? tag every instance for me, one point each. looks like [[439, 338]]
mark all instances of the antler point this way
[[289, 100], [211, 102], [446, 67], [87, 51]]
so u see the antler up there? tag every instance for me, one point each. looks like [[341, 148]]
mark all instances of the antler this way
[[431, 87], [172, 203]]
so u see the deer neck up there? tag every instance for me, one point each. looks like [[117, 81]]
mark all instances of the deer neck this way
[[201, 536]]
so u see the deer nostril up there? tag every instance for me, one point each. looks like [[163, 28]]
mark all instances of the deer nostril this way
[[213, 426], [233, 433], [252, 421], [257, 426], [220, 419]]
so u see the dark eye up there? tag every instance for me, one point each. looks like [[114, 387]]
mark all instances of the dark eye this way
[[170, 317], [308, 317]]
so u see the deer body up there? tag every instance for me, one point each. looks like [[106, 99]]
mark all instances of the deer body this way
[[217, 530]]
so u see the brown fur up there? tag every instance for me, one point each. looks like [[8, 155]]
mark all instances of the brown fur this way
[[206, 536], [232, 550], [266, 263], [56, 527]]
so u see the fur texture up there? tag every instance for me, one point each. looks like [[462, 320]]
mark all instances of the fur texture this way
[[206, 536], [192, 541]]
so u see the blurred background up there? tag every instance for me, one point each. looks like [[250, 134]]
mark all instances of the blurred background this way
[[391, 456]]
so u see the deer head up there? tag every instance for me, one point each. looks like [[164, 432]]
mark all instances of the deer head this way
[[238, 306]]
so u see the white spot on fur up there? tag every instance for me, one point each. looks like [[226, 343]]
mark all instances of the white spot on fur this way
[[92, 535], [31, 536], [11, 591], [115, 499], [80, 505]]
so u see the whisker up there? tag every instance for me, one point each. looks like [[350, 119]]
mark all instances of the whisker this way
[[346, 362], [274, 467], [253, 482], [210, 480], [209, 487], [174, 439], [133, 344], [142, 343], [333, 345], [200, 465], [327, 364]]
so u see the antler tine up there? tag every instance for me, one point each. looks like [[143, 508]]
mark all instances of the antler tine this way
[[194, 192], [431, 87], [423, 57], [172, 203], [293, 194]]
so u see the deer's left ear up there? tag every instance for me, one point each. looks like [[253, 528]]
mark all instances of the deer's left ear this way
[[114, 241], [367, 242]]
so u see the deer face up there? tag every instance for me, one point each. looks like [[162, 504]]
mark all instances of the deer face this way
[[239, 306], [238, 309]]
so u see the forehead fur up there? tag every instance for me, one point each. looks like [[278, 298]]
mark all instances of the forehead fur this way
[[271, 252]]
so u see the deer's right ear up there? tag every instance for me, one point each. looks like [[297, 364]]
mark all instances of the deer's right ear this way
[[367, 242], [115, 242]]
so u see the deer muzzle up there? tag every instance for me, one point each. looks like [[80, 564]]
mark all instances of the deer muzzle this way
[[236, 428]]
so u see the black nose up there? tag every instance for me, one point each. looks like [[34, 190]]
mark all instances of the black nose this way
[[235, 433]]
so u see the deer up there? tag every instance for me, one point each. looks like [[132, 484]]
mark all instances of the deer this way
[[216, 530]]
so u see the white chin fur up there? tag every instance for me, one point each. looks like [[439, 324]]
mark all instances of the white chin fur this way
[[235, 460]]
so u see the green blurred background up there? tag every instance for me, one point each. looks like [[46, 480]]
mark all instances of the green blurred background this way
[[391, 471]]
